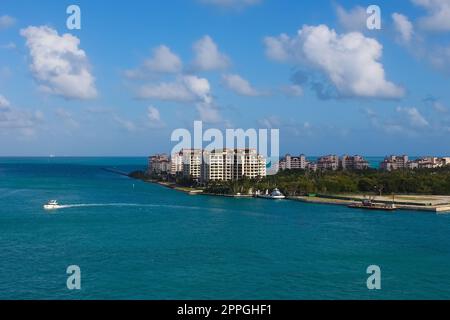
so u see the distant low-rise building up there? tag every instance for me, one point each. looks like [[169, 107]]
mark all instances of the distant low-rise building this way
[[293, 162], [429, 163], [394, 163], [402, 162], [354, 163], [330, 162], [311, 166], [158, 164]]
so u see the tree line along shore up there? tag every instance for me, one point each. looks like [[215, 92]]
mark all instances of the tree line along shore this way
[[304, 182]]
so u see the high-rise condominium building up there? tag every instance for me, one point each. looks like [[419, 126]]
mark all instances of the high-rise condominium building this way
[[192, 162], [176, 163], [232, 164]]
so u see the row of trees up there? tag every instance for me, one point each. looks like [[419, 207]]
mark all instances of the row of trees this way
[[301, 182]]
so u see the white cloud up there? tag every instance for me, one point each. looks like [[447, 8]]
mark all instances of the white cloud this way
[[153, 114], [438, 18], [403, 26], [352, 20], [4, 103], [233, 4], [154, 118], [168, 91], [6, 21], [292, 90], [185, 88], [163, 60], [58, 64], [413, 116], [239, 85], [350, 61], [207, 55], [22, 121]]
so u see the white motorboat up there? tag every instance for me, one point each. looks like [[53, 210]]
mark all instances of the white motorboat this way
[[52, 205], [275, 195]]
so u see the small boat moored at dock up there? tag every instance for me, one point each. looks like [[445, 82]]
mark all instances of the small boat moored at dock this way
[[274, 195]]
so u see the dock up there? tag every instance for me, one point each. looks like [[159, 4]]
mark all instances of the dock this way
[[433, 204]]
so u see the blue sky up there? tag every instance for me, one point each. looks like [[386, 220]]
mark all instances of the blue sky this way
[[137, 70]]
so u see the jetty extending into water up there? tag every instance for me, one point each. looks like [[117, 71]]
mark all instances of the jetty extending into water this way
[[428, 203]]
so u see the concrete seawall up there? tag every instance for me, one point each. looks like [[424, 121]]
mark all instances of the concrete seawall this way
[[345, 201]]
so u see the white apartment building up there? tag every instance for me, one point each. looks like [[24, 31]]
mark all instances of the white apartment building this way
[[232, 164], [394, 163], [330, 162], [429, 163], [176, 163], [290, 163], [192, 162]]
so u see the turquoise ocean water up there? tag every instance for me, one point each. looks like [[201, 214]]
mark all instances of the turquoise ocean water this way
[[134, 240]]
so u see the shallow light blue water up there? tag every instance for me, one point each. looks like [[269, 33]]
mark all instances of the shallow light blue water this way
[[149, 242]]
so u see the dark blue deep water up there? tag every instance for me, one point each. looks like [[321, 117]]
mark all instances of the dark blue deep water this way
[[134, 240]]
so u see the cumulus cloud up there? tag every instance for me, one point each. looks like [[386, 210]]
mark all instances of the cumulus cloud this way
[[231, 4], [239, 85], [350, 61], [185, 88], [6, 21], [438, 18], [403, 26], [162, 60], [352, 20], [207, 55], [58, 64]]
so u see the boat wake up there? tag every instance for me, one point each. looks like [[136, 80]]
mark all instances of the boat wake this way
[[137, 205], [83, 205]]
